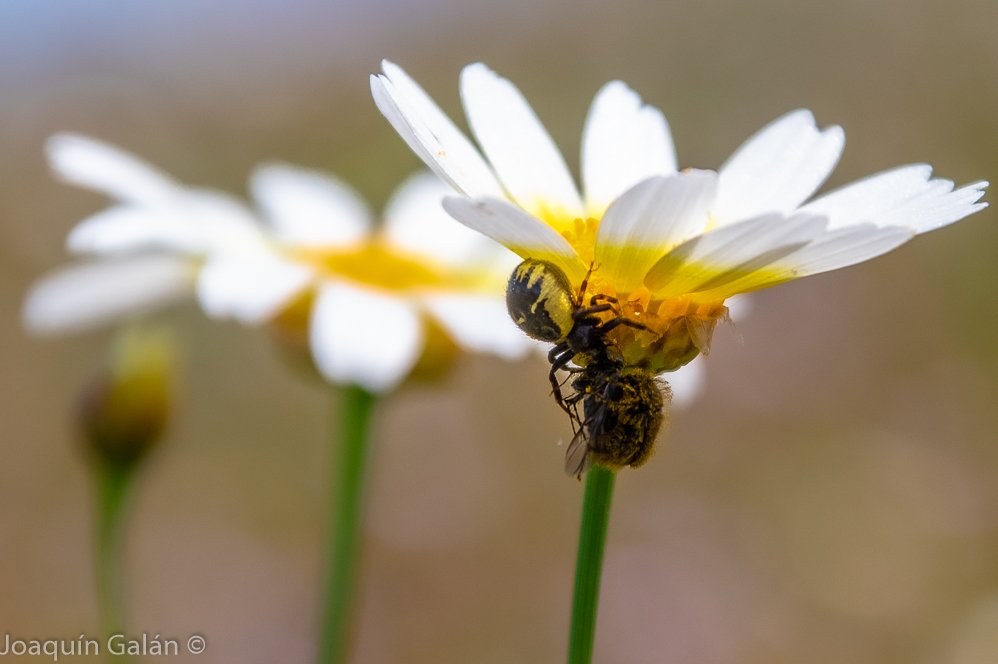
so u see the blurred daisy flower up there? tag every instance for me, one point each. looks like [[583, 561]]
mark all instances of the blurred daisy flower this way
[[669, 245], [663, 249], [373, 304]]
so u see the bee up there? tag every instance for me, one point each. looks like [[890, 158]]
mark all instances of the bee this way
[[623, 410], [621, 405]]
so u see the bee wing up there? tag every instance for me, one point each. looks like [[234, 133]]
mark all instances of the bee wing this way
[[577, 455], [701, 330]]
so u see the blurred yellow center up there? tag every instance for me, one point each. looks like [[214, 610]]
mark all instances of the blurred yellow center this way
[[377, 264]]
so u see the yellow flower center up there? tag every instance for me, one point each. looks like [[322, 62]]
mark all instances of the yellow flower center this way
[[377, 264], [676, 329], [380, 265]]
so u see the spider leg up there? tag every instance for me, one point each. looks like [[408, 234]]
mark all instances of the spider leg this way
[[559, 356], [585, 282], [589, 311], [606, 327], [602, 297]]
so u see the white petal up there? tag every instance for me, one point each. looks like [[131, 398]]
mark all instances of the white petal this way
[[362, 337], [251, 287], [935, 210], [844, 247], [480, 324], [218, 221], [90, 294], [195, 222], [130, 228], [778, 168], [904, 196], [510, 226], [415, 221], [650, 219], [431, 134], [829, 251], [687, 383], [95, 165], [623, 143], [731, 253], [310, 208], [521, 151]]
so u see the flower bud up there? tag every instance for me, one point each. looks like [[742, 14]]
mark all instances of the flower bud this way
[[124, 410]]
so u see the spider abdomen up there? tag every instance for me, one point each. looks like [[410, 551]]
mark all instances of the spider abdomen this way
[[539, 300]]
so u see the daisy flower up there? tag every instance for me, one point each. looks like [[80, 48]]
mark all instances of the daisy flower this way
[[371, 301], [671, 247], [377, 298], [629, 277]]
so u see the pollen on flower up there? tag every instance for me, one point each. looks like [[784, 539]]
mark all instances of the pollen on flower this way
[[674, 331], [581, 234]]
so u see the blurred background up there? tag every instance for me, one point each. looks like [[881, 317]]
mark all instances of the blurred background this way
[[831, 497]]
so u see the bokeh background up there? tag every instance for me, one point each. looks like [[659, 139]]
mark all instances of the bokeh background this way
[[831, 497]]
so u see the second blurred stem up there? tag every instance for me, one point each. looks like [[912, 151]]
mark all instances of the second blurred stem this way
[[113, 481], [350, 461]]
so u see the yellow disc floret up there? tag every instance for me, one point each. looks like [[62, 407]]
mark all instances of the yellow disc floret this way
[[673, 331]]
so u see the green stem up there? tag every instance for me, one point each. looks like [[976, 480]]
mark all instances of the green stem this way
[[113, 481], [589, 563], [356, 406]]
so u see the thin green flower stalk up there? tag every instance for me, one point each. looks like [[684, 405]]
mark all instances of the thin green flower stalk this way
[[350, 470], [113, 482], [589, 563], [122, 415]]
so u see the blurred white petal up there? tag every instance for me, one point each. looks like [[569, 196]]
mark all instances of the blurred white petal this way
[[307, 207], [520, 150], [513, 228], [416, 222], [739, 307], [480, 324], [196, 222], [364, 337], [99, 166], [431, 134], [87, 295], [687, 383], [777, 168], [623, 143], [251, 287]]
